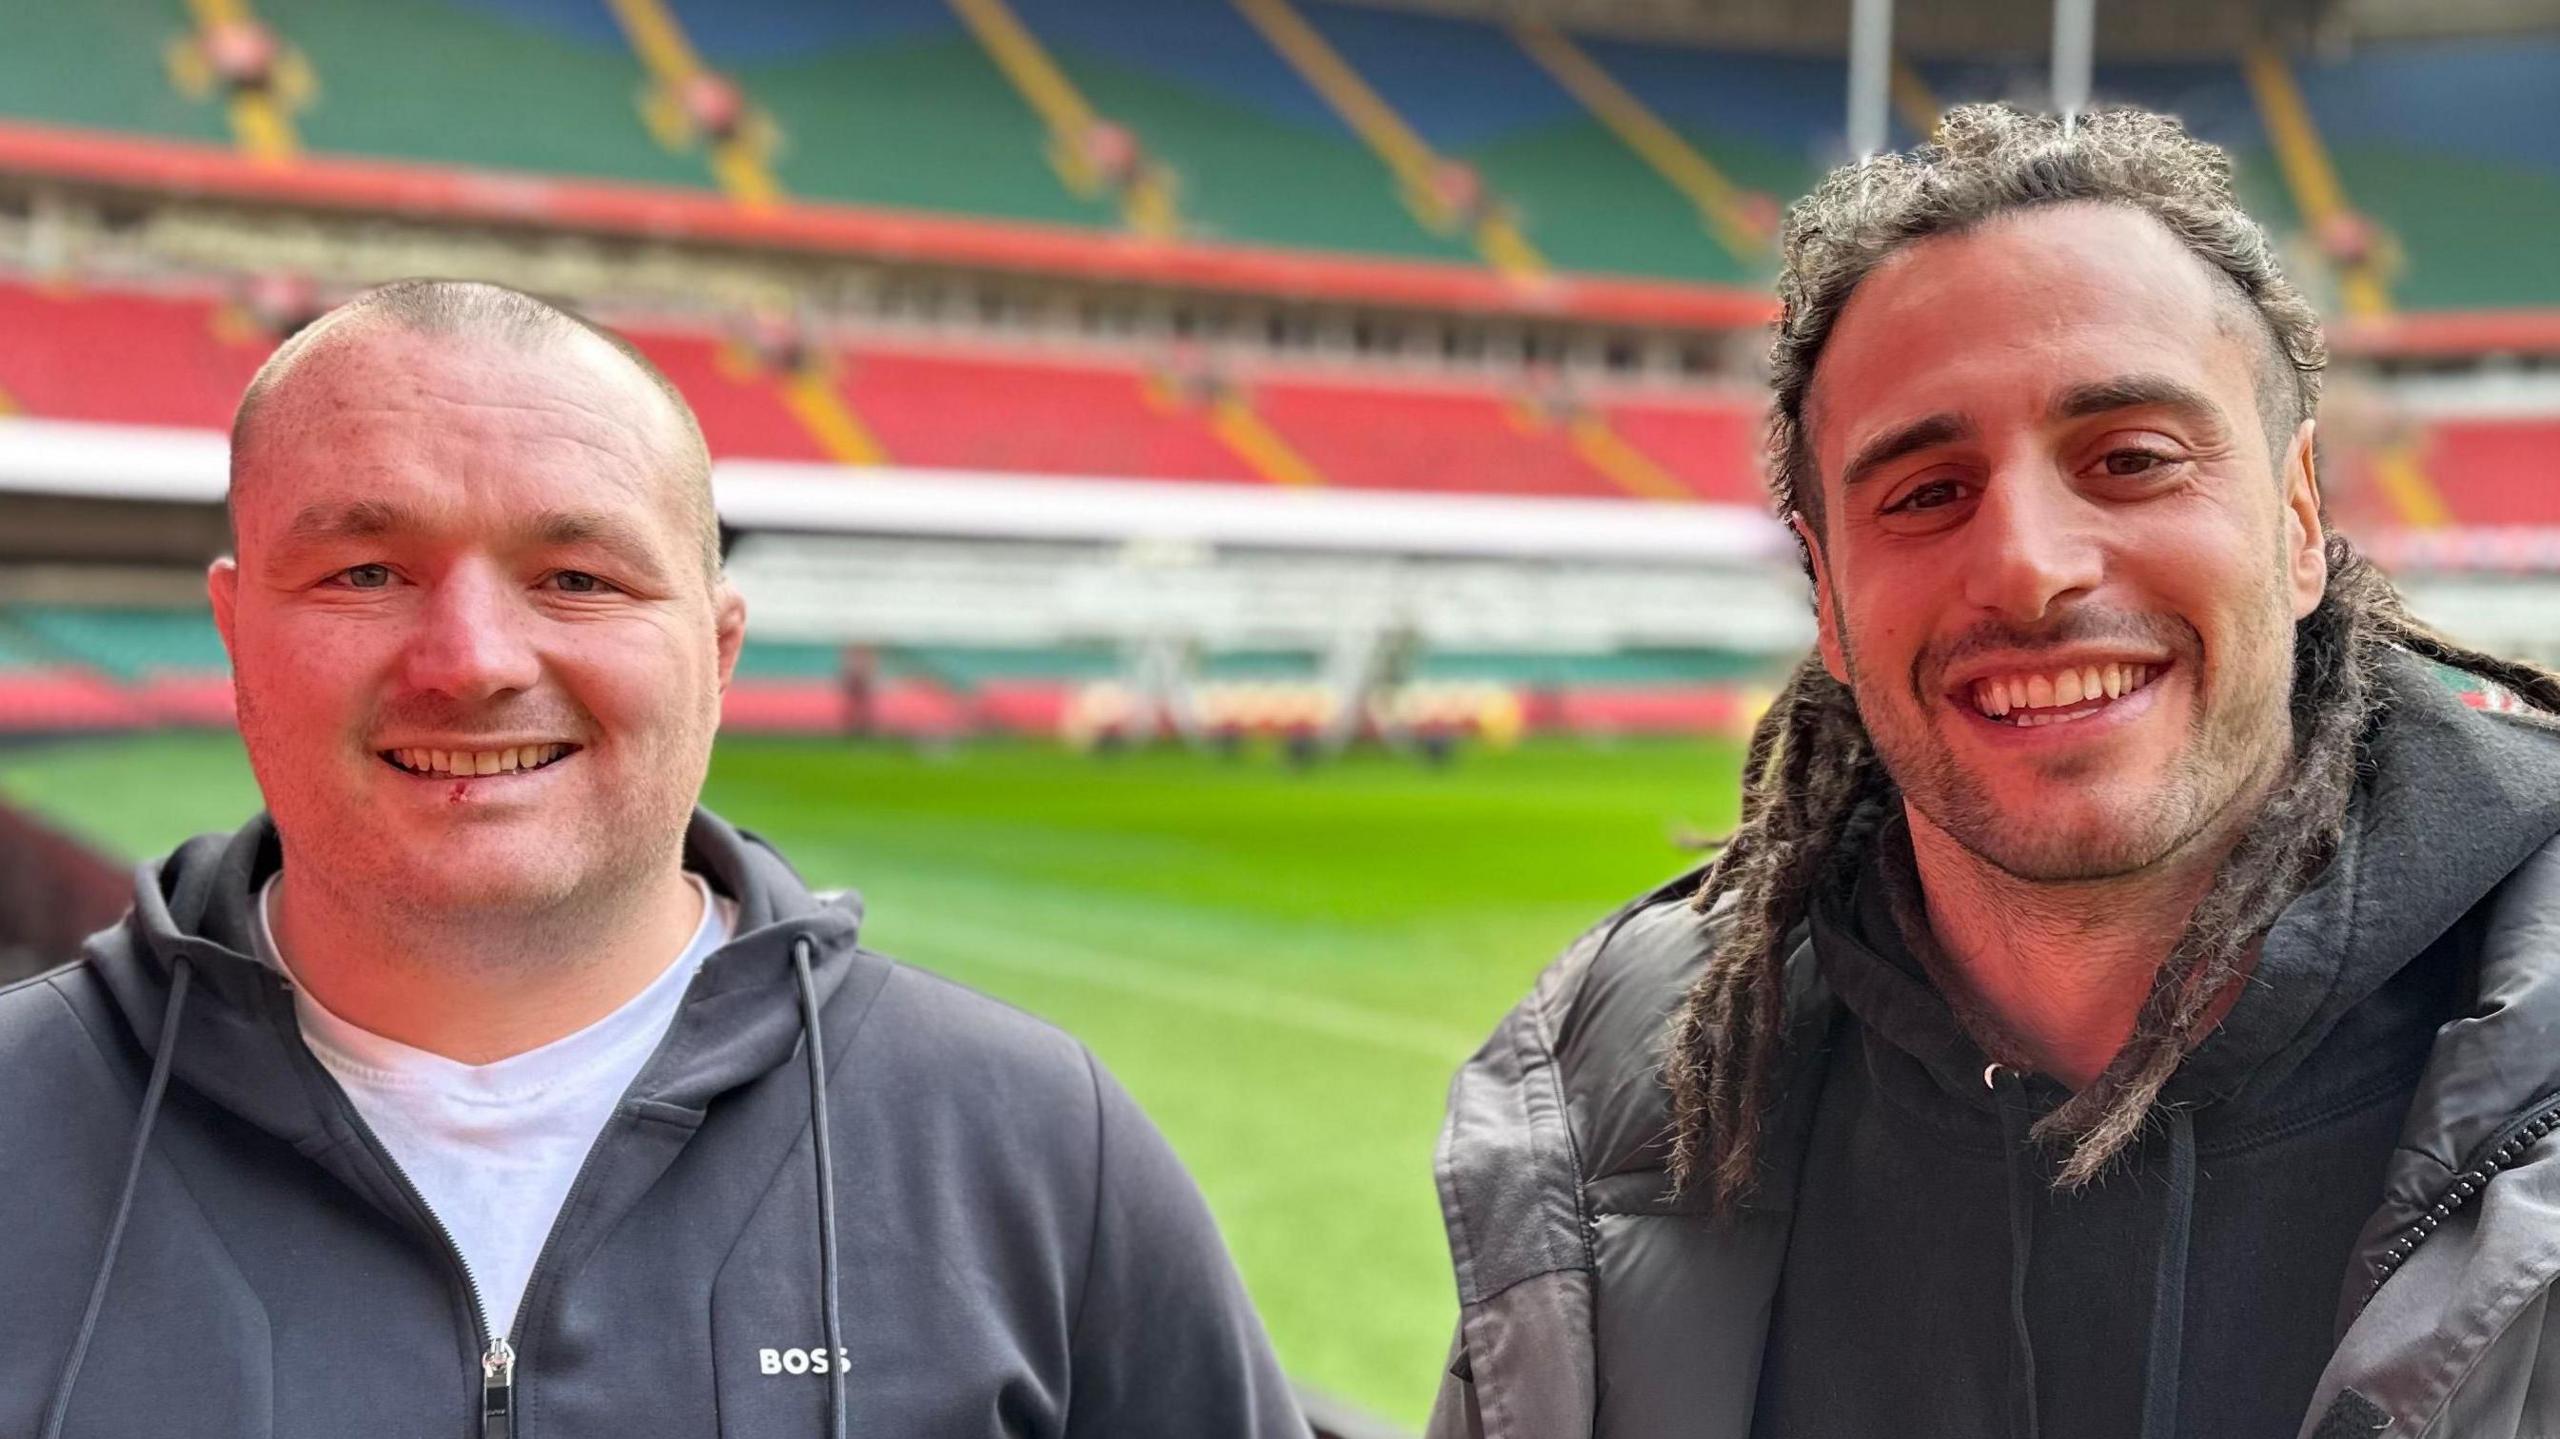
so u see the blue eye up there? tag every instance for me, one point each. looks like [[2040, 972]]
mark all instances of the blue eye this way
[[366, 577], [579, 582]]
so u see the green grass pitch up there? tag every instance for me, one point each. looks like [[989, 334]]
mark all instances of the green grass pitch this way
[[1284, 967]]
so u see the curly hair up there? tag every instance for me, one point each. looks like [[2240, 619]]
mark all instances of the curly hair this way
[[1812, 779]]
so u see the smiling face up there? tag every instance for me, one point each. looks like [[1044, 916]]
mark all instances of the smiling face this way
[[2057, 564], [477, 656]]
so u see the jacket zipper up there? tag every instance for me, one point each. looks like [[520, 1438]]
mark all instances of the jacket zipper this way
[[2521, 1135], [497, 1363], [497, 1367], [498, 1391]]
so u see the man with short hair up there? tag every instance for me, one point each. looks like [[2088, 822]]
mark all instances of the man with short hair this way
[[2127, 1005], [487, 1085]]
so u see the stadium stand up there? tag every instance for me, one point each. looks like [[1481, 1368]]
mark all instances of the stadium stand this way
[[1426, 438], [741, 411], [181, 358], [1005, 413], [2497, 471], [1609, 156], [2453, 147], [123, 358], [1249, 140]]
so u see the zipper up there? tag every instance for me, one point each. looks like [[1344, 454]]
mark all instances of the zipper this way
[[498, 1391], [496, 1362], [2520, 1136], [497, 1359]]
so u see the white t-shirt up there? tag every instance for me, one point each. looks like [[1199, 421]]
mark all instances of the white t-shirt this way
[[493, 1148]]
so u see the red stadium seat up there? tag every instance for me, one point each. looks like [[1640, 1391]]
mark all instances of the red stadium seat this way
[[741, 411], [1000, 413], [1714, 449], [1413, 438], [123, 358], [2497, 472]]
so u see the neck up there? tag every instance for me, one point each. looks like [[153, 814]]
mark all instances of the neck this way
[[472, 988], [2061, 970]]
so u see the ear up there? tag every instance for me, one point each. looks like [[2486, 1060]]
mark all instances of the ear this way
[[729, 628], [1826, 605], [222, 586], [2306, 543]]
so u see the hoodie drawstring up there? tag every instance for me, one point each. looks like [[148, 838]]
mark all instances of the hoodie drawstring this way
[[2023, 1184], [2168, 1321], [816, 1050], [2169, 1285], [60, 1410]]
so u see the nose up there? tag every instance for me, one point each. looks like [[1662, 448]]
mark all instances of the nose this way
[[2034, 542], [472, 639]]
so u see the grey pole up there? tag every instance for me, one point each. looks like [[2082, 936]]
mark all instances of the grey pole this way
[[1870, 74], [2075, 42]]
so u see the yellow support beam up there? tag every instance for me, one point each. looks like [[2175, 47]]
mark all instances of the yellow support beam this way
[[1631, 469], [2307, 171], [1914, 101], [260, 125], [2322, 201], [2404, 482], [1415, 164], [1719, 202], [739, 162], [813, 399], [1146, 204], [1233, 419]]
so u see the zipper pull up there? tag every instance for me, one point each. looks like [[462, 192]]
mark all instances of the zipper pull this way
[[498, 1390]]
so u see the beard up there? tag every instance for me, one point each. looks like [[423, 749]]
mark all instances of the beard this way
[[2107, 818]]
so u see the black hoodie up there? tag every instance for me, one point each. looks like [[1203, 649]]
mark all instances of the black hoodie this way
[[2190, 1291], [1017, 1251]]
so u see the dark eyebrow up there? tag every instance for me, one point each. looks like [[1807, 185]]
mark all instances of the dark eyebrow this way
[[1907, 439], [2140, 392]]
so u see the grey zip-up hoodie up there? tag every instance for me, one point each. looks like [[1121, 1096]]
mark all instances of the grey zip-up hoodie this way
[[1017, 1252], [1597, 1304]]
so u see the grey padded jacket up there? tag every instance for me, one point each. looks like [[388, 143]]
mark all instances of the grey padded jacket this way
[[1595, 1303]]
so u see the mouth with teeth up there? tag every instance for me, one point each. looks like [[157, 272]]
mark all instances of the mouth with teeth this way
[[2029, 699], [473, 764]]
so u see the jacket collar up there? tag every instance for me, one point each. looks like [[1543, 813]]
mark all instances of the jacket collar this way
[[241, 1048]]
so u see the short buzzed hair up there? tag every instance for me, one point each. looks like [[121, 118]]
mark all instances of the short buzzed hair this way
[[480, 310]]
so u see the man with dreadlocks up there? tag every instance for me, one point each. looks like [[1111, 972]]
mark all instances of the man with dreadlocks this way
[[2130, 1005]]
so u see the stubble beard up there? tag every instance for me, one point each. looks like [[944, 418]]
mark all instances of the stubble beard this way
[[538, 917], [2229, 754]]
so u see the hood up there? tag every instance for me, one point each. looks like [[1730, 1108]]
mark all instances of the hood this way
[[241, 1047], [2452, 800]]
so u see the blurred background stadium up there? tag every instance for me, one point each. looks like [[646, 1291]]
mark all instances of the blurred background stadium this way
[[1250, 508]]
